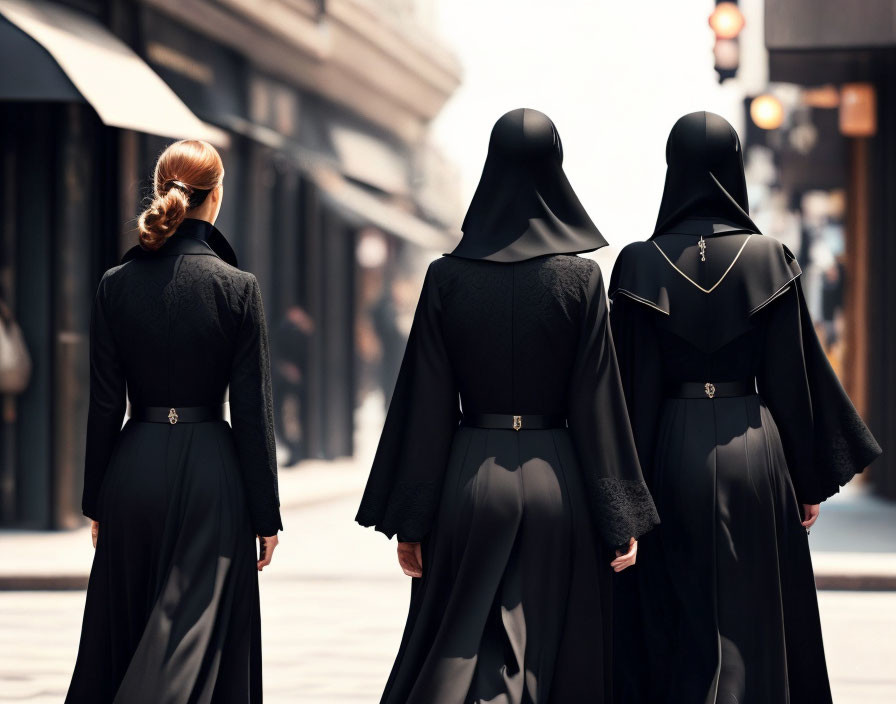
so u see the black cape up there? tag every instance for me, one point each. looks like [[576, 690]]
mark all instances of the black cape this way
[[724, 589], [515, 602]]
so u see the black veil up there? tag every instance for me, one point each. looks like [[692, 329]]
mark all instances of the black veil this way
[[524, 206], [704, 174]]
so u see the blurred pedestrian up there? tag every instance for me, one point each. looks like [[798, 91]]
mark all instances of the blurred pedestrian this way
[[15, 362], [507, 516], [177, 496], [706, 312], [290, 361], [384, 316]]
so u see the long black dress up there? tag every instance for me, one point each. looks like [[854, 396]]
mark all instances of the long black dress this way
[[515, 600], [727, 595], [172, 613]]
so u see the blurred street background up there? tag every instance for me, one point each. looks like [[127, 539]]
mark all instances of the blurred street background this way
[[353, 133]]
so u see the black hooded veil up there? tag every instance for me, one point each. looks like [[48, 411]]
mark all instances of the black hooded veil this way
[[517, 527], [739, 419], [524, 206], [704, 175]]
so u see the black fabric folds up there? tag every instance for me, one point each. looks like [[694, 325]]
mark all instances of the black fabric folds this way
[[722, 606], [704, 174], [524, 206], [516, 527], [644, 275], [825, 440], [172, 608], [402, 493]]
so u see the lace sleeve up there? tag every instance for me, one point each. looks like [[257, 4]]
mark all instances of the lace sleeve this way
[[598, 420]]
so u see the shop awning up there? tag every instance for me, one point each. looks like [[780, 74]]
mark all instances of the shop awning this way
[[369, 160], [364, 208], [118, 84]]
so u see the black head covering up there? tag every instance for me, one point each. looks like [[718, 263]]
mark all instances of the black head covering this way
[[704, 174], [524, 206]]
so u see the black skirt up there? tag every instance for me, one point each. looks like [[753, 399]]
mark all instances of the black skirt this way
[[172, 611], [514, 605], [728, 594]]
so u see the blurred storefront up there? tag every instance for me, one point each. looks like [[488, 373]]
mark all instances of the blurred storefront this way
[[821, 152], [320, 110]]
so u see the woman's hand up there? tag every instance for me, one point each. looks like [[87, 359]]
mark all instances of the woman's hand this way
[[410, 557], [94, 531], [810, 515], [626, 560], [266, 550]]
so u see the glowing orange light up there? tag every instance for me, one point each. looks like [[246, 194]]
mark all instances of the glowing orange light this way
[[825, 97], [726, 20], [767, 112], [858, 110]]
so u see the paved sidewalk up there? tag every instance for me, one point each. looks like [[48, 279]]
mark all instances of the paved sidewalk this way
[[853, 543], [61, 559], [334, 603]]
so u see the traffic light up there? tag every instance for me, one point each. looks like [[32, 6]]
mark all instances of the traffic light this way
[[726, 21]]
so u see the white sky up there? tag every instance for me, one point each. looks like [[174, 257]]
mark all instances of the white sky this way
[[614, 77]]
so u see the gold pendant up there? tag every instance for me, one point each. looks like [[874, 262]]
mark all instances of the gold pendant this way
[[702, 245]]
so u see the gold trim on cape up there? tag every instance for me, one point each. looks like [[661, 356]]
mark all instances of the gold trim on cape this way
[[715, 285]]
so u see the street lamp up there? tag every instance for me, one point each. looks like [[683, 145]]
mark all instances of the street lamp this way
[[727, 53], [767, 112], [726, 20]]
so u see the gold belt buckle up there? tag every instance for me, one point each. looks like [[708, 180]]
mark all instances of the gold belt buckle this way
[[517, 422], [709, 389], [172, 416]]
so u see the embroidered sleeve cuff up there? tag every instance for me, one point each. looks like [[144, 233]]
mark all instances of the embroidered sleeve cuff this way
[[623, 509], [409, 512]]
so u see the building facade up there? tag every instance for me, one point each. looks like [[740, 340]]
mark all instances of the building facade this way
[[835, 68], [320, 109]]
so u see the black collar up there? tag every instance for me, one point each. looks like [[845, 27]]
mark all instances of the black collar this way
[[704, 226], [191, 237]]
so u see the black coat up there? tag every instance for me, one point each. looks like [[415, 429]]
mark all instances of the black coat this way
[[176, 328], [727, 595], [516, 526], [172, 608]]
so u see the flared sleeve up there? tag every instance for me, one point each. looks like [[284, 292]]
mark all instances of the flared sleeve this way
[[600, 429], [640, 370], [108, 399], [252, 414], [825, 441], [405, 482]]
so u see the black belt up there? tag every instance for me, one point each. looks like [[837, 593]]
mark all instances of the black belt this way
[[719, 389], [185, 414], [501, 421]]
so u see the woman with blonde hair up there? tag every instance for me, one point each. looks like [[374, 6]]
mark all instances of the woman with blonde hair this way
[[177, 496]]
